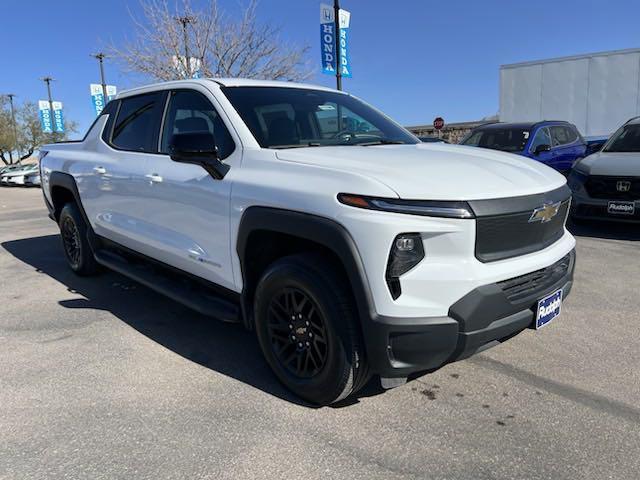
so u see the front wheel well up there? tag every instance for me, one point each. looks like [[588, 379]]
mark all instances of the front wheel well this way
[[264, 247], [60, 196]]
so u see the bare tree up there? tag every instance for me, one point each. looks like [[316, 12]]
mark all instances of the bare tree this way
[[166, 40]]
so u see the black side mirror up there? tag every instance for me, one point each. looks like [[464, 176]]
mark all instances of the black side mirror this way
[[198, 148], [542, 148]]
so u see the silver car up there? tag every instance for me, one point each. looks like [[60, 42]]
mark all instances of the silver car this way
[[17, 176], [606, 185]]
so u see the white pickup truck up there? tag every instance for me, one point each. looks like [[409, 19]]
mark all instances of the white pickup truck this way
[[304, 214]]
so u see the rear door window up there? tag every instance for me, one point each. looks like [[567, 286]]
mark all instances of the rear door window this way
[[137, 123], [560, 135]]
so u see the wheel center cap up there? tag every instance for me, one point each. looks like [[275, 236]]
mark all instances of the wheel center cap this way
[[300, 330]]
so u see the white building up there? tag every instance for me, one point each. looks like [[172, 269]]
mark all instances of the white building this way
[[597, 92]]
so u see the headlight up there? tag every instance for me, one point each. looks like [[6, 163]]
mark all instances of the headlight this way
[[576, 180], [427, 208]]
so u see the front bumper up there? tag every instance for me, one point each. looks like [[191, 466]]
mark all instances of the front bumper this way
[[486, 316], [587, 208]]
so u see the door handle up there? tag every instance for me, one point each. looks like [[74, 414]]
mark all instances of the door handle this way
[[100, 170], [154, 178]]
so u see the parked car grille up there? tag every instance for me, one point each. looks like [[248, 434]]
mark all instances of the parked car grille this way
[[600, 186], [510, 235], [536, 283]]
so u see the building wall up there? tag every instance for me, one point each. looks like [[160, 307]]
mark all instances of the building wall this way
[[596, 92]]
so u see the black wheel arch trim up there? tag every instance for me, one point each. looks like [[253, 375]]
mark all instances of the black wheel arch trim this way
[[324, 231], [67, 182]]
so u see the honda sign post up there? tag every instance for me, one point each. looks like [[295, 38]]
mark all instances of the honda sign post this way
[[334, 47]]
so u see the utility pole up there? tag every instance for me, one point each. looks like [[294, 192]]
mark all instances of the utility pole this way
[[48, 81], [186, 20], [336, 19], [13, 120], [101, 56]]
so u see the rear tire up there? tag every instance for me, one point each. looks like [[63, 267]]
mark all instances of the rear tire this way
[[73, 231], [307, 328]]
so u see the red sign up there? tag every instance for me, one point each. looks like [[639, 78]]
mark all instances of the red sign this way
[[438, 123]]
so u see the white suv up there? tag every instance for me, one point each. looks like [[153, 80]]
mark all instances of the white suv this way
[[351, 248]]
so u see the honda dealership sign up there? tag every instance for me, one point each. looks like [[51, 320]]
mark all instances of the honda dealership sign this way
[[328, 41], [45, 116], [58, 118], [97, 96]]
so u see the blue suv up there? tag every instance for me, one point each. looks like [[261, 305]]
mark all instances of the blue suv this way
[[555, 143]]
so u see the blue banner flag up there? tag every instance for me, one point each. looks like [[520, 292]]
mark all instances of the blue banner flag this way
[[45, 116], [58, 118], [327, 39], [345, 62], [97, 96]]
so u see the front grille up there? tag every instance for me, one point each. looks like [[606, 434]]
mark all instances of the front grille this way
[[536, 283], [510, 235], [600, 186]]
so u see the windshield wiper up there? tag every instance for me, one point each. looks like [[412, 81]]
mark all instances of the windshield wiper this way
[[380, 142], [296, 145]]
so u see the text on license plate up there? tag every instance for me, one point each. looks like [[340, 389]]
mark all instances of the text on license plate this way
[[548, 308]]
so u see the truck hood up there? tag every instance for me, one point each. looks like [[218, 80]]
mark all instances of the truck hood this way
[[435, 171], [611, 163]]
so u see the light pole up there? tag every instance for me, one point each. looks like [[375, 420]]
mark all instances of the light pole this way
[[101, 56], [186, 20], [336, 19], [48, 81], [13, 120]]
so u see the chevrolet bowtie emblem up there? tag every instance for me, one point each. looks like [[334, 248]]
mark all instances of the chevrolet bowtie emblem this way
[[545, 213]]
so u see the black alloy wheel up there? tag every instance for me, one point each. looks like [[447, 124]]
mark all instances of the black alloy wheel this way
[[298, 333], [307, 326], [77, 250], [71, 241]]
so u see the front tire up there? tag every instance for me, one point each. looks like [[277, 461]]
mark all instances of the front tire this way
[[73, 231], [307, 329]]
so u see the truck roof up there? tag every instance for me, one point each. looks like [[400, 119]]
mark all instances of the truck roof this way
[[224, 82]]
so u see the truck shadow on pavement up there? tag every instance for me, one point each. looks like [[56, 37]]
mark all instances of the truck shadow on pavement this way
[[225, 348], [605, 230]]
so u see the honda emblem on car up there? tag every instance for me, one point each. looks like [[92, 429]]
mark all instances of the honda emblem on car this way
[[545, 213], [623, 185]]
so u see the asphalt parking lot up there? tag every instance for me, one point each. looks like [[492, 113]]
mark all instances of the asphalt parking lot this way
[[102, 378]]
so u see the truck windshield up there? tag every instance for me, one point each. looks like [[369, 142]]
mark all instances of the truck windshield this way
[[627, 139], [505, 139], [283, 117]]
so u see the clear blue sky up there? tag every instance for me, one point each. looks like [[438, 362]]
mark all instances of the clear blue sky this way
[[414, 59]]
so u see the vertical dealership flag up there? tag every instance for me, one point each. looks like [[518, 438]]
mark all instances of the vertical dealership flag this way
[[111, 92], [344, 19], [328, 40], [45, 116], [97, 96], [58, 118], [195, 65]]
